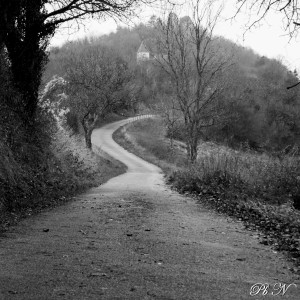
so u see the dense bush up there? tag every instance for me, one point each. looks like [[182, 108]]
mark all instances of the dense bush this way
[[63, 169], [42, 164]]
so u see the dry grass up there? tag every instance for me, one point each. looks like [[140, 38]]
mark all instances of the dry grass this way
[[81, 166], [74, 157], [263, 175], [250, 167], [273, 179], [68, 168], [146, 139], [255, 188]]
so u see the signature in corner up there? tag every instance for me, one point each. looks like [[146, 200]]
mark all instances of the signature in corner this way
[[266, 288]]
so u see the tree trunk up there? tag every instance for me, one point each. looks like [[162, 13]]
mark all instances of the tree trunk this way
[[87, 134], [192, 142], [88, 123], [26, 42], [88, 139], [192, 150], [27, 86]]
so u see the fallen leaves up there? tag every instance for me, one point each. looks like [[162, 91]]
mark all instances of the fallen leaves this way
[[279, 224]]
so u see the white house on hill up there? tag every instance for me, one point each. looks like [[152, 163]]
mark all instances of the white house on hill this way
[[143, 54]]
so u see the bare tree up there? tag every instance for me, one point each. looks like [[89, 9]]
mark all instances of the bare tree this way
[[188, 54], [289, 9], [26, 27], [96, 78]]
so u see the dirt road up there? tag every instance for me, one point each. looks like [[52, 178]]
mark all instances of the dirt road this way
[[133, 238]]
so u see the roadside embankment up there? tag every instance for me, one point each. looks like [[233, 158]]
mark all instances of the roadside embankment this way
[[66, 168], [253, 188]]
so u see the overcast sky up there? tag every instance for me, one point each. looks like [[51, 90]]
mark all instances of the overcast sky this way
[[268, 39]]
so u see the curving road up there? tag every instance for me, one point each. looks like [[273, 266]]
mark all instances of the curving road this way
[[140, 174], [133, 238]]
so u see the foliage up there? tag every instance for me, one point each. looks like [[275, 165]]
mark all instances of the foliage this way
[[26, 28], [258, 189], [31, 175], [255, 108], [258, 109], [65, 169], [270, 179], [49, 165], [97, 81]]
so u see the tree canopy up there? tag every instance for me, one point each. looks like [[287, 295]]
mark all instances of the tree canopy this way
[[26, 27], [97, 79]]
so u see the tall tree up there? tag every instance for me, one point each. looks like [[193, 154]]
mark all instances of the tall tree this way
[[26, 27], [97, 79], [188, 55]]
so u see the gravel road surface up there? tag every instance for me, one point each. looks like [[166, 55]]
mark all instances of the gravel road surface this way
[[134, 238]]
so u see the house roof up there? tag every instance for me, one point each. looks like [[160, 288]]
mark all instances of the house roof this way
[[143, 47]]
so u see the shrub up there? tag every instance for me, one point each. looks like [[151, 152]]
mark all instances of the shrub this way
[[72, 122]]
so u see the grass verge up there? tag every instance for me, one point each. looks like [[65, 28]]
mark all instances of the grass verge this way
[[254, 188], [68, 169]]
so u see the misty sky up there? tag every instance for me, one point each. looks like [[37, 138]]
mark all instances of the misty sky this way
[[269, 38]]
